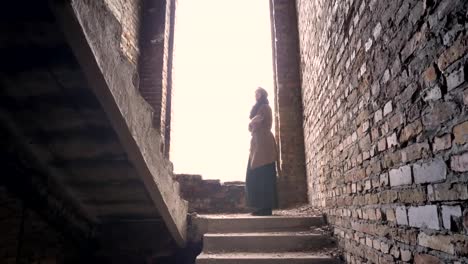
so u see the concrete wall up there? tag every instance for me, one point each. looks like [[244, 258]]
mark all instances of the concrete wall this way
[[112, 79], [385, 122], [66, 151]]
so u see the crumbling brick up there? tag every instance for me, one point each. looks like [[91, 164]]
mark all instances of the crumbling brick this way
[[437, 242], [459, 163], [426, 259], [442, 142], [448, 212], [460, 133]]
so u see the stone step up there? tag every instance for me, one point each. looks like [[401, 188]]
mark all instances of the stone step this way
[[265, 242], [265, 258], [246, 223]]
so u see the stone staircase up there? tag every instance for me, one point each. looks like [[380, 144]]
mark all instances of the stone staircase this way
[[243, 239]]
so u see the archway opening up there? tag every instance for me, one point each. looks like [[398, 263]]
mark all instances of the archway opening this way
[[222, 53]]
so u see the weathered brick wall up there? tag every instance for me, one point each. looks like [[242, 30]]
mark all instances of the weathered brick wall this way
[[210, 196], [147, 41], [36, 243], [292, 182], [385, 122], [155, 62], [128, 13]]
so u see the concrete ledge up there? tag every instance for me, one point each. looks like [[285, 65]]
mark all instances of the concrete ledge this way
[[94, 36], [265, 242], [265, 258], [245, 223]]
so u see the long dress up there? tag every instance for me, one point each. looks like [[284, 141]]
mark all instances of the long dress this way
[[261, 190]]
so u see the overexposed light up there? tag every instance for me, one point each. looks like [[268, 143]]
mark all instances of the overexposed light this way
[[222, 54]]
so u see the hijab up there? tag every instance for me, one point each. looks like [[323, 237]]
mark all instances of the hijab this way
[[262, 101]]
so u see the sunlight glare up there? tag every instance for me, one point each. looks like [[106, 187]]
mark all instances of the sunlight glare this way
[[222, 54]]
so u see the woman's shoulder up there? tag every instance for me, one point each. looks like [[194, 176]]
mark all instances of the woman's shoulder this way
[[265, 107]]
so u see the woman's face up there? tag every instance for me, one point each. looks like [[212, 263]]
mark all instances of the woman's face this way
[[258, 95]]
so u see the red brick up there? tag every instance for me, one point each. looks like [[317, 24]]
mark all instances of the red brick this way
[[459, 162], [426, 259], [465, 97], [460, 132], [456, 51], [430, 75], [442, 142], [410, 131]]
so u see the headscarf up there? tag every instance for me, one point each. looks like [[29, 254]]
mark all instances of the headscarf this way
[[262, 101]]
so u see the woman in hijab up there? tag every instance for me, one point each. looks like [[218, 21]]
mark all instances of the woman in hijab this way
[[261, 169]]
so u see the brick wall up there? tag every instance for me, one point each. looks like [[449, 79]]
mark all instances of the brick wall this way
[[210, 196], [128, 13], [147, 41], [292, 186], [385, 123], [155, 63]]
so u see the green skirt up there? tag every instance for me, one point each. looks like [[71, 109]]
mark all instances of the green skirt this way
[[260, 185]]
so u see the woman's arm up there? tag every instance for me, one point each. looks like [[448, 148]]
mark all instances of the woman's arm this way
[[258, 119]]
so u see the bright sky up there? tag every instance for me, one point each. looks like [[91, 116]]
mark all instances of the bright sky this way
[[222, 54]]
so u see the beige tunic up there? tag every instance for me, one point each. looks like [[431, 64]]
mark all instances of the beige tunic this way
[[262, 144]]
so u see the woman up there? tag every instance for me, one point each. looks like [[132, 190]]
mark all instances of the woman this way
[[261, 169]]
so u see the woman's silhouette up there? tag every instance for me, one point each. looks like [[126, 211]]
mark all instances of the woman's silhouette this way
[[261, 168]]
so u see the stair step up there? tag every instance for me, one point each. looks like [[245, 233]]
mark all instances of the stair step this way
[[265, 258], [265, 242], [246, 223]]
